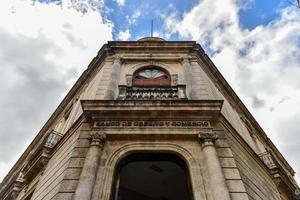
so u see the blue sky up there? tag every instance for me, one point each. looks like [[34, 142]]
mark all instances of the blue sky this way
[[48, 44], [252, 14]]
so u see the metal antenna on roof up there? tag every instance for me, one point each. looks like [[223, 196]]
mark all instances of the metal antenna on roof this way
[[152, 28], [297, 5]]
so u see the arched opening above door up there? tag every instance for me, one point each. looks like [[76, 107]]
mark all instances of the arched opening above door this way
[[152, 176]]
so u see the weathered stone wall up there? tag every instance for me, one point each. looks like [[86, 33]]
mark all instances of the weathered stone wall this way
[[257, 180], [203, 88], [54, 180], [207, 89], [230, 169]]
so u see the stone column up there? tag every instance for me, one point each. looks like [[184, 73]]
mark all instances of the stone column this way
[[112, 89], [215, 174], [188, 76], [87, 178]]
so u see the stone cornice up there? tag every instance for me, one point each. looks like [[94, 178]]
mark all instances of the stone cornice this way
[[151, 46], [157, 109]]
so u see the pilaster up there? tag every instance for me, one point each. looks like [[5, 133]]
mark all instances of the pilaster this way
[[216, 180], [188, 76], [112, 88], [87, 178]]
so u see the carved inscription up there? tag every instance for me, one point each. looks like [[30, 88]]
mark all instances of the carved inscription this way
[[149, 123]]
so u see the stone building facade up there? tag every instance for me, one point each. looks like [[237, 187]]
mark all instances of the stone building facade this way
[[154, 120]]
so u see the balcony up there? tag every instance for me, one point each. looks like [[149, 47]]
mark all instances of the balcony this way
[[41, 155], [266, 157], [280, 175], [152, 93]]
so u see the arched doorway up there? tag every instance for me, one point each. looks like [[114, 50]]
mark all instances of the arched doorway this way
[[152, 176]]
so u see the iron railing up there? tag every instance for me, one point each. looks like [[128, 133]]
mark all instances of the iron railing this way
[[152, 93]]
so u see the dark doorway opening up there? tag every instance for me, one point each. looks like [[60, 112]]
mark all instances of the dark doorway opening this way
[[152, 176]]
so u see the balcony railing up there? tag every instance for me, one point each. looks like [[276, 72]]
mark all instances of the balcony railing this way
[[39, 158], [280, 175], [149, 93]]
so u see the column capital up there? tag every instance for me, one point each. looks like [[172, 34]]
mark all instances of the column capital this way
[[185, 60], [97, 138], [207, 138], [117, 60]]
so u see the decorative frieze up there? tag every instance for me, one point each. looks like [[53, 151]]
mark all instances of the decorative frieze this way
[[153, 123]]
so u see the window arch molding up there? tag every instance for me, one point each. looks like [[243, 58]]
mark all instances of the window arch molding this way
[[133, 68], [116, 156], [151, 76]]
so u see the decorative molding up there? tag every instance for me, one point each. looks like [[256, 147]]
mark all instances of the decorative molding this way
[[97, 139], [98, 110], [117, 60], [207, 137], [39, 158], [152, 93], [18, 185], [153, 123], [124, 150], [129, 80], [267, 158], [174, 79], [185, 60]]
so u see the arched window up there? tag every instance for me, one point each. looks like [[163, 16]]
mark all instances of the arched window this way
[[152, 176], [152, 83], [151, 77]]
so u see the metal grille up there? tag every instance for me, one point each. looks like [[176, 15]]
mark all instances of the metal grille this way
[[152, 93]]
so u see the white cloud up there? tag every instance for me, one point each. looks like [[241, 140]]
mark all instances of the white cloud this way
[[44, 48], [121, 2], [134, 17], [262, 65], [124, 35]]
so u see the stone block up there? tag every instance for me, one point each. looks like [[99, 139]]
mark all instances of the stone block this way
[[222, 143], [224, 152], [64, 196], [72, 173], [83, 143], [68, 186], [239, 196], [79, 152], [231, 173], [235, 186], [76, 162], [227, 162]]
